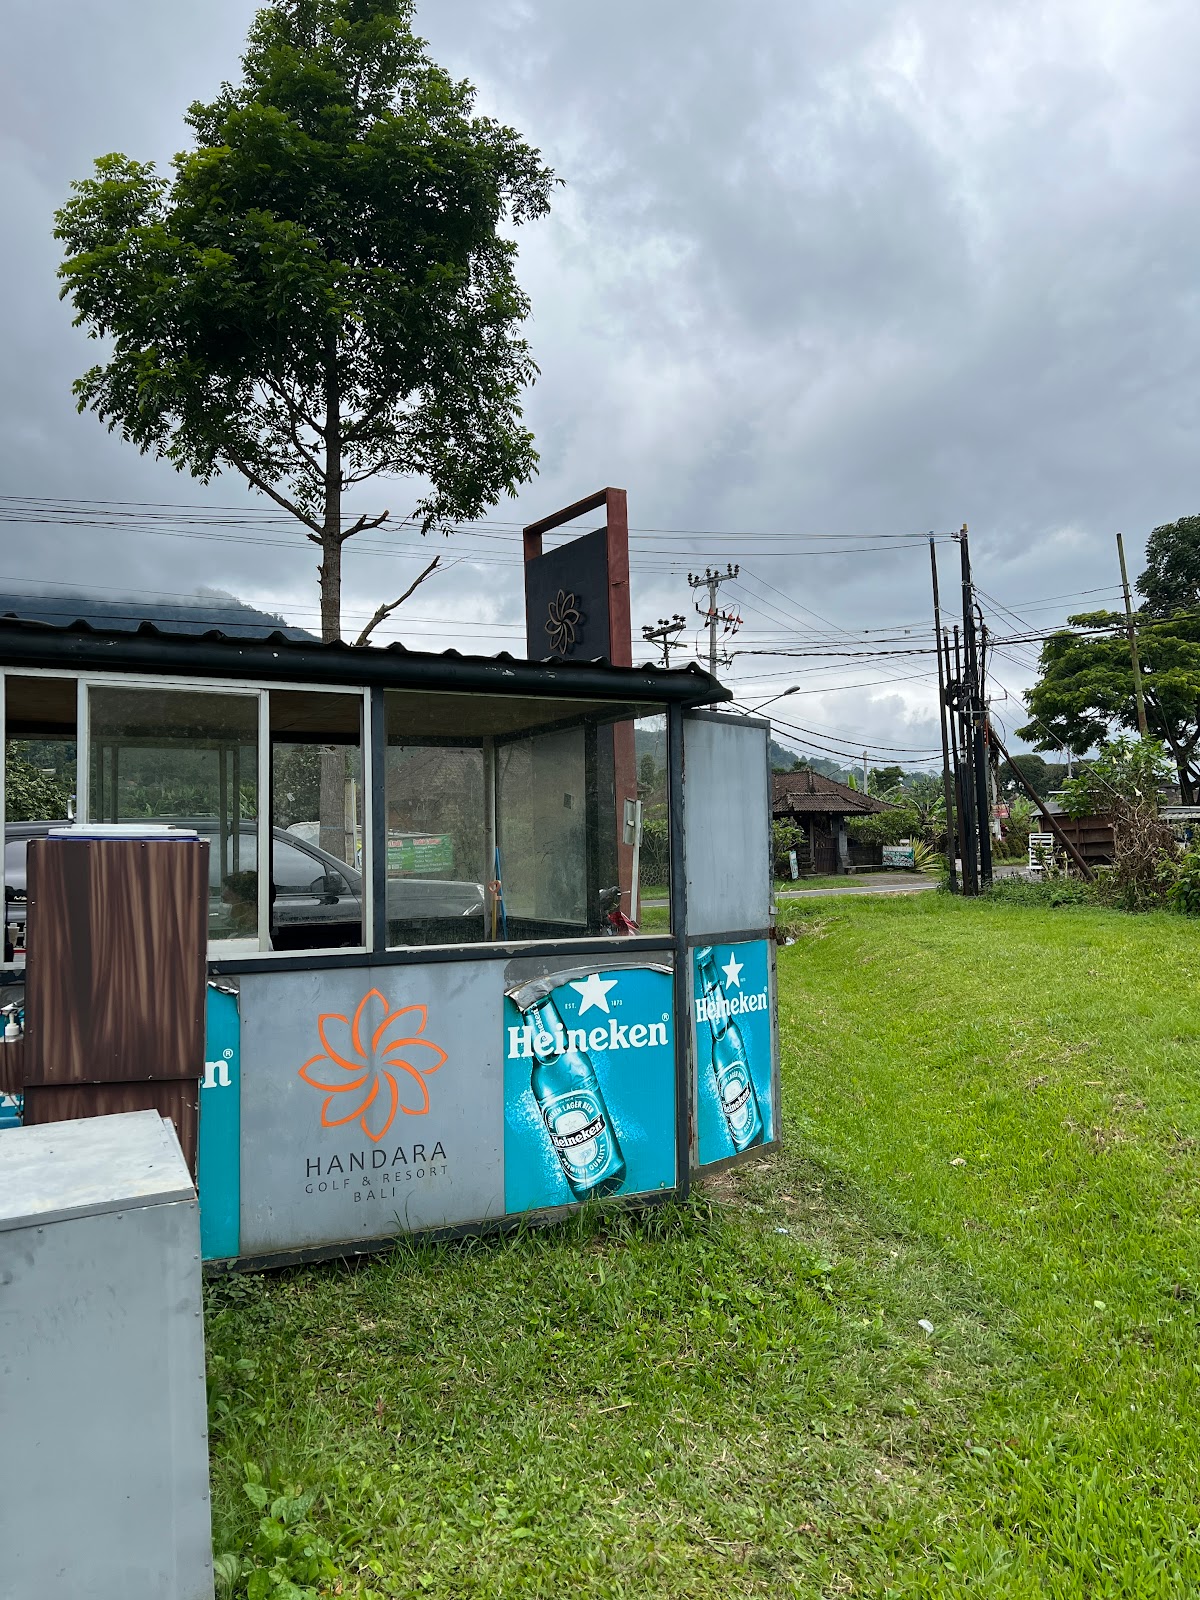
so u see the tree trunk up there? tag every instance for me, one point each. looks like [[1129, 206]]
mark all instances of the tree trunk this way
[[331, 531], [333, 760]]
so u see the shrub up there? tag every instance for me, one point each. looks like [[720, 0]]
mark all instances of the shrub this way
[[1184, 893], [785, 836], [1123, 784], [1046, 892], [888, 827]]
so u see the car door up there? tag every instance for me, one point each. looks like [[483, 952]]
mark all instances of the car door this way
[[313, 904]]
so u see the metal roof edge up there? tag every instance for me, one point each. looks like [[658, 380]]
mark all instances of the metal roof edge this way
[[80, 646]]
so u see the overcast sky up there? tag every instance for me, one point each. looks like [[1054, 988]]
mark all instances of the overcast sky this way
[[855, 270]]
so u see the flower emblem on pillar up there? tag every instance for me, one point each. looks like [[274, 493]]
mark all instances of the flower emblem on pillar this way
[[563, 621], [374, 1066]]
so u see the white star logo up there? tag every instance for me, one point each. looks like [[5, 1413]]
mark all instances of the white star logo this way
[[593, 991], [733, 972]]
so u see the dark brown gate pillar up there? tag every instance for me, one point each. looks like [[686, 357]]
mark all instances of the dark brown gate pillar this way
[[577, 606]]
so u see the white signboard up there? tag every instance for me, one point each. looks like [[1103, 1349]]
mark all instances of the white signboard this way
[[372, 1102]]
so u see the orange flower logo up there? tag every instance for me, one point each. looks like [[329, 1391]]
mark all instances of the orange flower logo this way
[[374, 1066]]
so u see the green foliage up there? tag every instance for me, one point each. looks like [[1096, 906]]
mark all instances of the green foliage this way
[[656, 858], [925, 857], [1171, 581], [1052, 890], [1127, 770], [324, 290], [887, 827], [1184, 893], [1022, 820], [296, 784], [1043, 776], [1123, 785], [785, 837], [287, 1557], [30, 794], [1085, 692], [881, 781]]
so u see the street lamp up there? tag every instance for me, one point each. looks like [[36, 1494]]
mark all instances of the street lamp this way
[[783, 694]]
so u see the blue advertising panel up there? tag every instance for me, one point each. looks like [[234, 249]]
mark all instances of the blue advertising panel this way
[[218, 1161], [589, 1083], [731, 990]]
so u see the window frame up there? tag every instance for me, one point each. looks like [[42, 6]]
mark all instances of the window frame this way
[[254, 689], [246, 955]]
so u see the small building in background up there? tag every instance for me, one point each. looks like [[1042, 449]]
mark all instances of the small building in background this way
[[818, 807]]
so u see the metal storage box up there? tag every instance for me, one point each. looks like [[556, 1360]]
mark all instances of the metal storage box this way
[[103, 1421]]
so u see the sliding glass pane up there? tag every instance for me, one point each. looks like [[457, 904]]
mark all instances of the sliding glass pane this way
[[189, 757]]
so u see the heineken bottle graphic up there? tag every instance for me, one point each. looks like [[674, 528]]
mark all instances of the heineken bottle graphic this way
[[568, 1094], [730, 1063]]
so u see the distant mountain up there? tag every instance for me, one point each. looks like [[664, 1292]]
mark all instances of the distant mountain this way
[[783, 760], [207, 609]]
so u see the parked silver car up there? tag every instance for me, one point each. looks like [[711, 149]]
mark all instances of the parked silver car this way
[[316, 900]]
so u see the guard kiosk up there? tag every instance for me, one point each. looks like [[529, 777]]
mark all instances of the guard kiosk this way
[[426, 1011]]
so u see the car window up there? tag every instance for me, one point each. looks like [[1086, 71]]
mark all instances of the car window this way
[[14, 860], [247, 855], [293, 869]]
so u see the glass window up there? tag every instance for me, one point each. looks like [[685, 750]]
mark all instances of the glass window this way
[[40, 749], [542, 815], [39, 781], [516, 818], [317, 842], [436, 849], [191, 757]]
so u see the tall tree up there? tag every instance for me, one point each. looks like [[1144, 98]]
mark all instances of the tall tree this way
[[1035, 770], [1171, 581], [322, 292], [1085, 692]]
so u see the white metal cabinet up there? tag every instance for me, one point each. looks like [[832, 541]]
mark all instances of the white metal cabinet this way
[[103, 1423]]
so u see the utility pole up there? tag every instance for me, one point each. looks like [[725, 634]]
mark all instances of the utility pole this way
[[866, 777], [946, 781], [974, 695], [712, 581], [1133, 649], [666, 635], [966, 789]]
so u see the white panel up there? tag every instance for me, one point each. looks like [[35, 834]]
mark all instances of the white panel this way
[[726, 825], [104, 1469], [407, 1132]]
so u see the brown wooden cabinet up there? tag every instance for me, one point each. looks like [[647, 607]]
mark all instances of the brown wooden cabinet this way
[[115, 986]]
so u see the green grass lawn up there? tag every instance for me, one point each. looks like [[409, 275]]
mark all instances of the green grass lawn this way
[[992, 1124]]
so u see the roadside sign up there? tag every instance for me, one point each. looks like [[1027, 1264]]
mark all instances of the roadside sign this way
[[420, 853], [898, 855]]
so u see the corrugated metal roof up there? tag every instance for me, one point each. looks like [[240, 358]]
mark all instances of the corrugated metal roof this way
[[77, 646], [807, 792]]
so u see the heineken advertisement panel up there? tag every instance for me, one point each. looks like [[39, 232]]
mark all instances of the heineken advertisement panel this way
[[371, 1102], [731, 1006], [589, 1082], [218, 1170]]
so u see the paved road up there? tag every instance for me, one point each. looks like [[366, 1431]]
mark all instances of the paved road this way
[[875, 883], [856, 886], [889, 883]]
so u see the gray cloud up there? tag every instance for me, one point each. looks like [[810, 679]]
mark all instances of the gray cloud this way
[[839, 270]]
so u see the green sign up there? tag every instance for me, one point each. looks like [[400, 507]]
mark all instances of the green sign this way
[[420, 853], [898, 855]]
